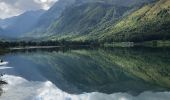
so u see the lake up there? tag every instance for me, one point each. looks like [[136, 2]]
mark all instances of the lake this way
[[87, 74]]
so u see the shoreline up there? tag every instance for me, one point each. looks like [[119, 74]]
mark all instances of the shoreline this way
[[153, 43], [46, 47], [34, 47]]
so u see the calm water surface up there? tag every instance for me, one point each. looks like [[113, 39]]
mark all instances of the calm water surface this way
[[93, 74]]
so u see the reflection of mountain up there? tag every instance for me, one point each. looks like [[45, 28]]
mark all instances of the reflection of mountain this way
[[0, 89], [153, 66], [117, 70]]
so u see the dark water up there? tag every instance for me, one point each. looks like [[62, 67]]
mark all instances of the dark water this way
[[87, 74]]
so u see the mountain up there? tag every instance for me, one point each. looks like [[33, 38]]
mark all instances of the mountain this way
[[18, 25], [51, 15], [103, 20], [4, 23], [1, 30], [84, 18], [151, 22], [64, 8]]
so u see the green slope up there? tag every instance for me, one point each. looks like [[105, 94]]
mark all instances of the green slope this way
[[106, 22], [83, 18], [151, 22], [86, 18]]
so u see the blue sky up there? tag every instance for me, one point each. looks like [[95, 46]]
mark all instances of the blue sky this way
[[9, 8]]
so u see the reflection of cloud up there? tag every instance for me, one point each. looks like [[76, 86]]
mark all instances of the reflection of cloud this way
[[3, 67], [21, 89], [10, 8]]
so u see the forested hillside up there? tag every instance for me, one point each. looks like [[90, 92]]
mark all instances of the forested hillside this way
[[85, 18], [151, 22], [80, 17]]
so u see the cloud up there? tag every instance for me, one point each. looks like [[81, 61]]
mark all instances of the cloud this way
[[45, 4], [10, 8], [7, 10]]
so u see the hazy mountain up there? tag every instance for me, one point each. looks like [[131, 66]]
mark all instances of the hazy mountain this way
[[1, 30], [52, 14], [4, 23], [18, 25]]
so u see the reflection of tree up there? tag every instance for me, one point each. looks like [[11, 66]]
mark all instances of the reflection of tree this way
[[1, 83], [0, 91], [2, 51]]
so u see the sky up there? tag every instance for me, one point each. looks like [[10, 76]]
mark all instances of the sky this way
[[9, 8]]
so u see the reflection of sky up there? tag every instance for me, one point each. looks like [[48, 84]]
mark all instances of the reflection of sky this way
[[19, 88]]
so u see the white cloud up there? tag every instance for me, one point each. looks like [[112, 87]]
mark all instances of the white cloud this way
[[7, 10], [45, 4], [10, 8]]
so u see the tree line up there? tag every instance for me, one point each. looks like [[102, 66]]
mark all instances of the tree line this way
[[7, 44]]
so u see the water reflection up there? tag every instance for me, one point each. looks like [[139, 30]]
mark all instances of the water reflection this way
[[118, 72], [21, 89]]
